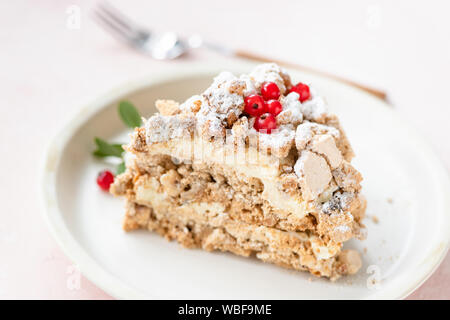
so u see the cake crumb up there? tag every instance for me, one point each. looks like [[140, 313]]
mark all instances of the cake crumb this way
[[375, 219]]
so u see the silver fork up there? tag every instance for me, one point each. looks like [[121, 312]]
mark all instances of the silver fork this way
[[161, 46], [168, 45]]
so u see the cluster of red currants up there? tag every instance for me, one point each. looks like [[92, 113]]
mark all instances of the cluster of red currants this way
[[266, 107]]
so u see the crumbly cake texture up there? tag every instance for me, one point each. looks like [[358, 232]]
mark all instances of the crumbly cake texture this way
[[199, 173]]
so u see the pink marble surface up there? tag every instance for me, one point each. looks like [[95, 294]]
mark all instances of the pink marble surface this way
[[48, 71]]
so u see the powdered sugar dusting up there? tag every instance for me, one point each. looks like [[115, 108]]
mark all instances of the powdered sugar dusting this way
[[279, 141], [307, 130], [211, 124], [299, 168], [314, 108], [225, 95], [292, 112], [269, 72], [193, 104], [249, 85], [223, 101], [342, 228], [163, 128]]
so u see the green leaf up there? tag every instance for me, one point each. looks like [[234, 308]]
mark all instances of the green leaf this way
[[120, 168], [105, 149], [129, 114]]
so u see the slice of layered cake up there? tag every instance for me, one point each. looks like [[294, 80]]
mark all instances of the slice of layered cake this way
[[256, 166]]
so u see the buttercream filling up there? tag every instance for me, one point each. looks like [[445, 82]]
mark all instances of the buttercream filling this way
[[247, 162]]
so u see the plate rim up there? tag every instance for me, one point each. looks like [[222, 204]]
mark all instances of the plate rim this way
[[116, 287]]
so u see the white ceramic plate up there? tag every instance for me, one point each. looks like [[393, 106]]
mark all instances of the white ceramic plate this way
[[406, 186]]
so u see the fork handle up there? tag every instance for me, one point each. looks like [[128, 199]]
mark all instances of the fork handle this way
[[248, 55]]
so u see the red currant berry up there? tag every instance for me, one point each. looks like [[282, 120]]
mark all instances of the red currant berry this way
[[104, 179], [266, 122], [254, 105], [274, 107], [270, 91], [302, 90]]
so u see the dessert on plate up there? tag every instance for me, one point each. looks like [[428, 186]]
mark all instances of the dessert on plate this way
[[256, 166]]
